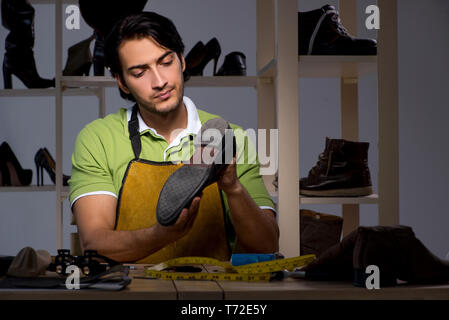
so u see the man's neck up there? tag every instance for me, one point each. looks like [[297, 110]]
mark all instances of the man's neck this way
[[166, 124]]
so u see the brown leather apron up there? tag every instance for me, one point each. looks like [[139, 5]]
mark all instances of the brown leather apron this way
[[136, 208]]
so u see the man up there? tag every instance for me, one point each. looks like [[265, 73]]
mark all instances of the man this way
[[114, 183]]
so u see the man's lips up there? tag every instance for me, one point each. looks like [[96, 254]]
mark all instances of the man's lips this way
[[164, 95]]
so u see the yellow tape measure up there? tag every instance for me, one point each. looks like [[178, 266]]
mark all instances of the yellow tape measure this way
[[259, 271]]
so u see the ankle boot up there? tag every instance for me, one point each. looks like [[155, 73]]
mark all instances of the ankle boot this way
[[319, 231], [321, 33], [341, 171], [18, 17]]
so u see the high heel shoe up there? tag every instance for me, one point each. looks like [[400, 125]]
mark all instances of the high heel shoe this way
[[201, 55], [18, 17], [12, 173], [44, 160], [79, 59]]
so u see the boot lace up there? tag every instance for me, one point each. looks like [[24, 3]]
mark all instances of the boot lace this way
[[335, 22], [322, 160]]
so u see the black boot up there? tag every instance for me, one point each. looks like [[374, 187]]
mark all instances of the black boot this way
[[341, 171], [18, 17], [321, 33]]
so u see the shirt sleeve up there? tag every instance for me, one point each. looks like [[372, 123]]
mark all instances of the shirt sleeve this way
[[90, 173]]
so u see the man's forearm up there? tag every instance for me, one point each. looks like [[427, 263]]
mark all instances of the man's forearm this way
[[125, 246], [257, 231]]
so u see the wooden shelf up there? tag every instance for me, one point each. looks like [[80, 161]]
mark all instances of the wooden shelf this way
[[47, 92], [196, 81], [327, 66], [222, 81], [53, 1], [371, 199], [27, 93], [32, 188]]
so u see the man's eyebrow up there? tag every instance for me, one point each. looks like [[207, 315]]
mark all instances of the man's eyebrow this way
[[144, 66]]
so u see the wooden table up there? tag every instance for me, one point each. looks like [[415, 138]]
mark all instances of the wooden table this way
[[287, 289]]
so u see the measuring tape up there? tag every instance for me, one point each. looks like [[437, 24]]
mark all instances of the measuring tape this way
[[259, 271]]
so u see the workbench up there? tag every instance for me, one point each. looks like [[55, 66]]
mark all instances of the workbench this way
[[141, 288]]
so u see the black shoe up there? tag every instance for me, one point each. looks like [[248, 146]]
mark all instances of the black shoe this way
[[341, 171], [321, 33], [44, 160], [79, 59], [233, 65], [11, 171], [190, 179], [18, 17], [200, 55]]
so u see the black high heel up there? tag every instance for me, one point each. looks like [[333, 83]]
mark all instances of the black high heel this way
[[79, 59], [12, 173], [201, 55], [18, 17], [44, 160]]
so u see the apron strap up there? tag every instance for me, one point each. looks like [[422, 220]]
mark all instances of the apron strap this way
[[134, 134]]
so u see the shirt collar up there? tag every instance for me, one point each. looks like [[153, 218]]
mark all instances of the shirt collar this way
[[193, 123]]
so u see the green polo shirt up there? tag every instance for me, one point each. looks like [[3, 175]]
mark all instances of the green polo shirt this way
[[103, 150]]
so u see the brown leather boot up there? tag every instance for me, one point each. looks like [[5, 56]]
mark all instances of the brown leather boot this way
[[341, 171], [321, 33], [319, 231]]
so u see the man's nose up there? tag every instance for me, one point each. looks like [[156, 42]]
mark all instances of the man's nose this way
[[158, 80]]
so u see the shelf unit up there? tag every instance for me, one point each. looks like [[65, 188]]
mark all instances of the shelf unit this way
[[277, 94], [277, 56], [88, 86]]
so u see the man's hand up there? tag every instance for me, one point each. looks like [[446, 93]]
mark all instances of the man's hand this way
[[183, 224], [228, 180]]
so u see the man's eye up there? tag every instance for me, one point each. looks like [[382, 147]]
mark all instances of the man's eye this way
[[138, 75], [167, 62]]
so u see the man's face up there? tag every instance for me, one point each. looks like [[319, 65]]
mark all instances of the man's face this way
[[152, 74]]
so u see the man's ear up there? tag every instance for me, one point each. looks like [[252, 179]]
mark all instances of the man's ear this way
[[183, 62], [122, 84]]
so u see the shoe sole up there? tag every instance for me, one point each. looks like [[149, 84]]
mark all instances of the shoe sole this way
[[352, 192], [178, 192]]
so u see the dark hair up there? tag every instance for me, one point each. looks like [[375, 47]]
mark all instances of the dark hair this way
[[141, 25]]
